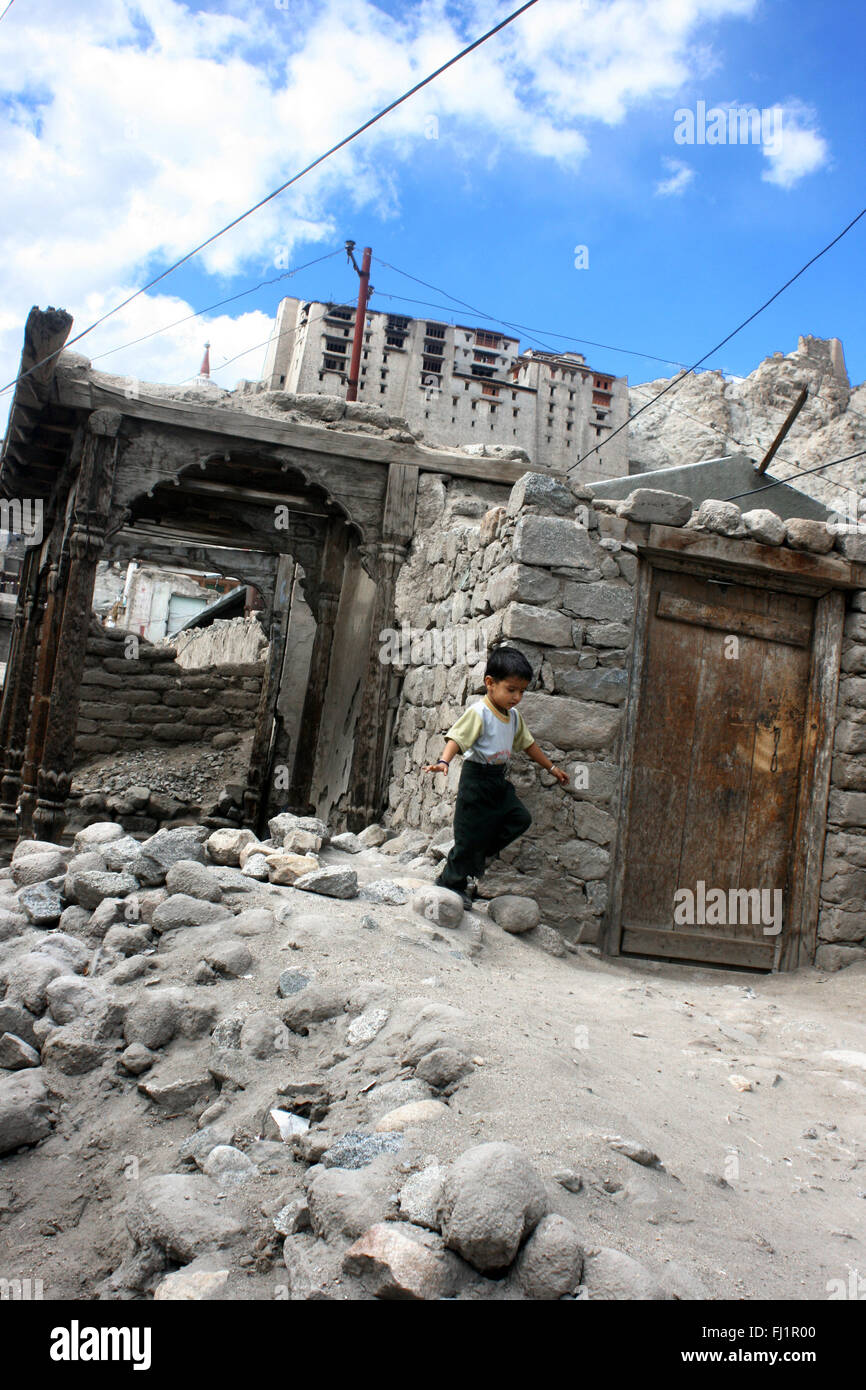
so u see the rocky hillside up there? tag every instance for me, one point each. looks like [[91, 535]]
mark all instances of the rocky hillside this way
[[709, 415]]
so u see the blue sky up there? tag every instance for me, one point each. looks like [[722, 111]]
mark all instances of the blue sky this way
[[128, 132]]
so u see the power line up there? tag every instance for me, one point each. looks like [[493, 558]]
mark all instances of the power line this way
[[7, 9], [288, 183], [676, 380], [285, 275], [751, 491], [607, 347]]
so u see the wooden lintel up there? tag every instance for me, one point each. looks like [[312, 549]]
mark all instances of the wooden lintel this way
[[777, 563]]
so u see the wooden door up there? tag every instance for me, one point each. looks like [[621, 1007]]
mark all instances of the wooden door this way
[[715, 771]]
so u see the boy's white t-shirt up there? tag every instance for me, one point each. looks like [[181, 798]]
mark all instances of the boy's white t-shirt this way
[[486, 736]]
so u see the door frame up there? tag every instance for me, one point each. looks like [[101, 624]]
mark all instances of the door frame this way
[[745, 562]]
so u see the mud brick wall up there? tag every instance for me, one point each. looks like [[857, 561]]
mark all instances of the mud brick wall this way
[[842, 917], [521, 566], [132, 694]]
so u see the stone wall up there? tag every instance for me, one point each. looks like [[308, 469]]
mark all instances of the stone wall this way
[[842, 917], [526, 570], [134, 693], [554, 576]]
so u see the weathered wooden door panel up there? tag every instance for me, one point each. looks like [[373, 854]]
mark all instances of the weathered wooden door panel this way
[[716, 764]]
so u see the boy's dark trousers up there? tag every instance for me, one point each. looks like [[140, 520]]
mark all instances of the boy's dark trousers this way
[[487, 817]]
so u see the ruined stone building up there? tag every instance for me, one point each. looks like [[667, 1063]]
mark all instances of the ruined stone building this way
[[456, 384], [700, 667]]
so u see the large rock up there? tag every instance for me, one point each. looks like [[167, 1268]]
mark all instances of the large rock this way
[[14, 1018], [180, 910], [229, 957], [183, 1216], [331, 882], [419, 1197], [196, 880], [224, 846], [551, 1261], [555, 541], [91, 886], [438, 905], [346, 1202], [67, 949], [372, 836], [513, 913], [764, 526], [349, 843], [609, 1275], [653, 506], [25, 1112], [166, 847], [16, 1054], [299, 841], [35, 868], [570, 723], [160, 1014], [384, 890], [70, 996], [96, 836], [418, 1112], [803, 534], [395, 1261], [73, 1050], [491, 1199], [356, 1150], [229, 1167], [29, 978], [43, 902], [25, 848], [722, 518], [285, 867], [547, 626], [542, 491]]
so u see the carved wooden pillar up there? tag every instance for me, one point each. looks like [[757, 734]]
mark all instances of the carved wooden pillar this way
[[366, 778], [41, 701], [15, 713], [330, 589], [255, 792], [86, 543]]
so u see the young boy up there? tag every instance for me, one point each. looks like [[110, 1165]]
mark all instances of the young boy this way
[[489, 814]]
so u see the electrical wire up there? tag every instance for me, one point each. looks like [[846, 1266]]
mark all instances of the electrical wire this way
[[767, 302], [320, 159], [833, 463]]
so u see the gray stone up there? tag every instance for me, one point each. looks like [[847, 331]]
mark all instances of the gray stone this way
[[313, 1005], [371, 836], [127, 941], [330, 882], [514, 914], [180, 910], [384, 890], [438, 905], [89, 887], [568, 723], [263, 1035], [443, 1066], [166, 847], [609, 1275], [550, 1263], [229, 958], [229, 1167], [109, 913], [549, 939], [606, 602], [291, 982], [721, 518], [16, 1054], [356, 1150], [37, 867], [67, 949], [224, 846], [137, 1059], [70, 996], [347, 842], [345, 1203], [419, 1197], [120, 855], [366, 1026], [832, 958], [194, 879], [542, 540], [542, 491], [653, 506], [394, 1260], [256, 867], [25, 1112], [522, 622], [178, 1089], [491, 1200], [803, 534], [569, 1179], [764, 526], [29, 978], [637, 1152], [12, 924], [155, 1019], [14, 1018], [73, 1050], [197, 1147], [293, 1217], [94, 837], [25, 848], [43, 902], [182, 1215], [608, 685]]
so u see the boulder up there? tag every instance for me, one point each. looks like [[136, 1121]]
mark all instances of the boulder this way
[[491, 1200], [67, 949], [722, 518], [286, 867], [609, 1275], [550, 1262], [419, 1112], [356, 1150], [37, 867], [372, 836], [298, 841], [16, 1054], [229, 957], [347, 1202], [542, 491], [419, 1197], [194, 879], [764, 526], [29, 978], [180, 910], [654, 506], [815, 536], [43, 902], [224, 846], [25, 1112], [347, 842], [229, 1167], [443, 1066], [182, 1215], [384, 890], [395, 1261], [73, 1050], [166, 847], [438, 905], [513, 913], [94, 837], [90, 886], [69, 997], [331, 882]]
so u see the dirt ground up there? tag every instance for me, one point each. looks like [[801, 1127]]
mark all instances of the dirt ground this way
[[759, 1193]]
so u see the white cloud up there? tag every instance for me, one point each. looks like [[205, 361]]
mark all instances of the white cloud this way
[[678, 180], [799, 149], [133, 129]]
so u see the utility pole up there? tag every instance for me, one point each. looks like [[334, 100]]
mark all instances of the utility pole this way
[[364, 293], [783, 430]]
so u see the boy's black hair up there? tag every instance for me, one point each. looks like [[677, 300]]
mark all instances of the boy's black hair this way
[[508, 661]]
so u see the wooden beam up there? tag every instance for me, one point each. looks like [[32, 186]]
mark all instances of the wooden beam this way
[[781, 566]]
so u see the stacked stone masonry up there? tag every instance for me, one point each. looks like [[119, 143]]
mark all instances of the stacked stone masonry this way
[[134, 693]]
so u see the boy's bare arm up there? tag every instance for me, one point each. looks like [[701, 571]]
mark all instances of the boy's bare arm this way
[[537, 756], [451, 748]]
